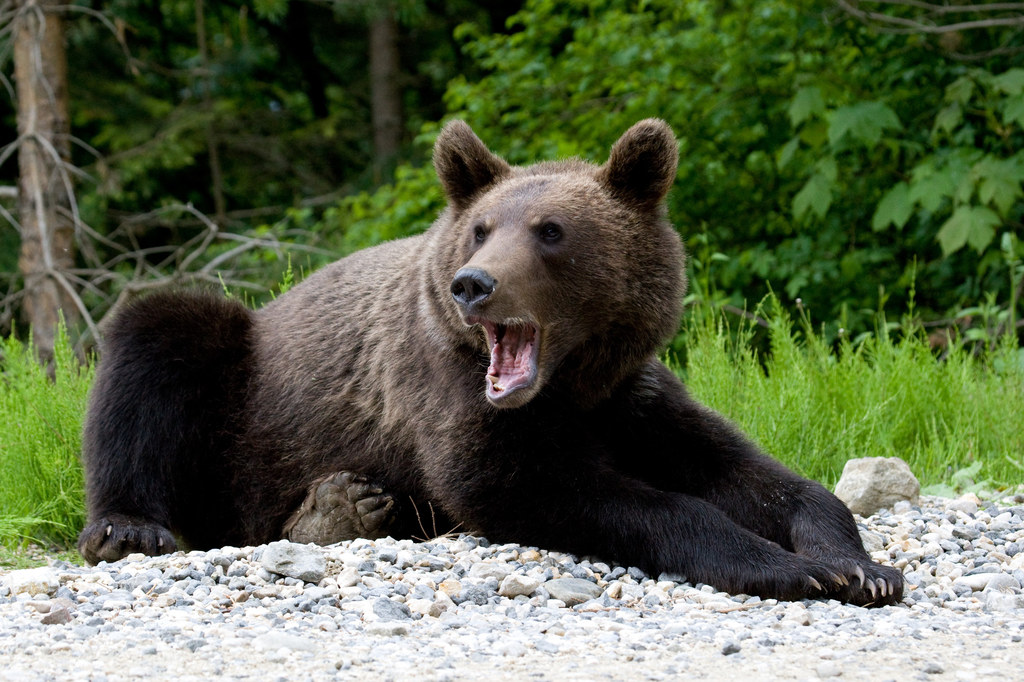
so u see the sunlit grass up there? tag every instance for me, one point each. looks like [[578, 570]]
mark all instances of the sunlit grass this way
[[811, 405], [41, 488], [814, 406]]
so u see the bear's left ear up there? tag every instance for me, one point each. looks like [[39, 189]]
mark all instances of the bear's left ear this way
[[642, 165], [464, 164]]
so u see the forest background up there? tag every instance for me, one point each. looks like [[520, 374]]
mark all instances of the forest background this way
[[861, 159]]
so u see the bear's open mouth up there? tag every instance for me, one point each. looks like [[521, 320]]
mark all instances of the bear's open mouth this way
[[514, 347]]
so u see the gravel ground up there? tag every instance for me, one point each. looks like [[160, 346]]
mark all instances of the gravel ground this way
[[461, 609]]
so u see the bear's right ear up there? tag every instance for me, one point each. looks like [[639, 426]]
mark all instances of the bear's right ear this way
[[642, 165], [465, 165]]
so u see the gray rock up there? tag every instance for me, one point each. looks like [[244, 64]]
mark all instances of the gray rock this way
[[515, 585], [490, 570], [827, 669], [873, 542], [58, 616], [195, 643], [602, 603], [279, 640], [387, 629], [966, 533], [976, 582], [1002, 582], [386, 609], [572, 591], [1001, 602], [471, 593], [304, 562], [872, 483], [33, 581], [966, 504]]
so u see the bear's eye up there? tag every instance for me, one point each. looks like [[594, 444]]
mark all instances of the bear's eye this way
[[479, 234], [550, 232]]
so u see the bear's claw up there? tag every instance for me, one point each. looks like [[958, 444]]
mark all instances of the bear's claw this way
[[875, 585], [115, 536]]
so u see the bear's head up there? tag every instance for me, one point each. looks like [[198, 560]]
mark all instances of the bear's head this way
[[570, 270]]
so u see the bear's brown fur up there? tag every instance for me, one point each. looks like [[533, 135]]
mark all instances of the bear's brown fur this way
[[500, 368]]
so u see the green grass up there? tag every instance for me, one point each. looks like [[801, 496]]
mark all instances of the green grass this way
[[41, 487], [809, 404], [32, 556], [814, 407]]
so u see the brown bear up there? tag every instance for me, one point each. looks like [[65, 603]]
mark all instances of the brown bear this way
[[500, 369]]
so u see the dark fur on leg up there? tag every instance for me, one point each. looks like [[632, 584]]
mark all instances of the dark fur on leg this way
[[757, 492], [160, 419]]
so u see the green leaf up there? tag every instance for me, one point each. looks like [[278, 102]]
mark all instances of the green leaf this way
[[949, 117], [806, 102], [999, 181], [930, 185], [984, 222], [974, 225], [953, 233], [273, 10], [1013, 110], [863, 122], [894, 208], [1011, 82], [785, 154], [815, 196], [828, 168], [960, 90]]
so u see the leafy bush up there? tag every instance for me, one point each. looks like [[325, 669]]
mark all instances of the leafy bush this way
[[835, 162]]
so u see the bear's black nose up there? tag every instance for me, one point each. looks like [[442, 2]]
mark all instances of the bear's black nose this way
[[472, 286]]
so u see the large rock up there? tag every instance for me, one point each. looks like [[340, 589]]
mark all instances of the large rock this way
[[33, 581], [572, 591], [872, 483], [516, 584], [305, 562]]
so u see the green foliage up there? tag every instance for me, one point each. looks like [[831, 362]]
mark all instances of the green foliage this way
[[816, 153], [804, 138], [814, 407], [41, 488], [404, 208], [961, 482]]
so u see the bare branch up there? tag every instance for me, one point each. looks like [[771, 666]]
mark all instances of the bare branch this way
[[954, 9], [113, 265], [928, 22]]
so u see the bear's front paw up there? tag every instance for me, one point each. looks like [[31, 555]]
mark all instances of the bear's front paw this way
[[870, 584], [341, 506], [115, 536], [795, 579]]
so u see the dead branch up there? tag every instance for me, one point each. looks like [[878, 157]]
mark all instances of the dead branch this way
[[932, 17]]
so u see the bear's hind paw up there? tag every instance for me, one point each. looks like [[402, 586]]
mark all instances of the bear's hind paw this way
[[341, 506]]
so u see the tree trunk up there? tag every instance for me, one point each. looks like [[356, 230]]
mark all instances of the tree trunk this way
[[385, 95], [44, 184], [212, 143]]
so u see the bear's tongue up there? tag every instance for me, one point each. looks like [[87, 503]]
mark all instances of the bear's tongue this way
[[513, 358]]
